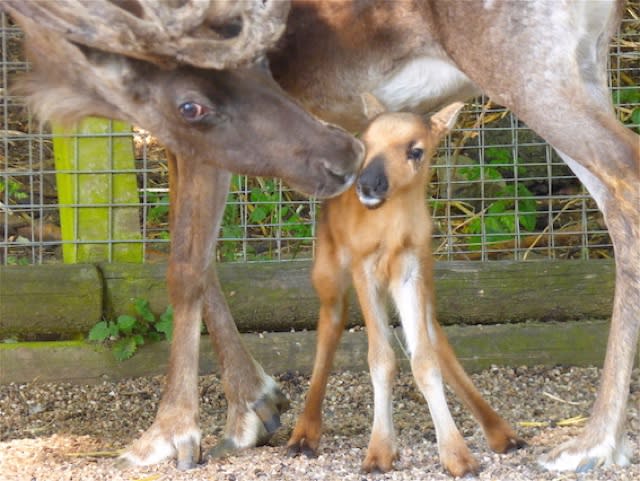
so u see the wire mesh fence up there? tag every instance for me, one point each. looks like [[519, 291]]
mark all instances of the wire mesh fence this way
[[498, 191]]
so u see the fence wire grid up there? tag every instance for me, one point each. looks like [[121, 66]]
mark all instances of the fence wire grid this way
[[498, 191]]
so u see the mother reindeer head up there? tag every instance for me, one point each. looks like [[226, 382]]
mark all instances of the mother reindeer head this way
[[189, 72]]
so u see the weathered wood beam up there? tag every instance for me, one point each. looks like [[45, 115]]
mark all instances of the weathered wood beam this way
[[66, 300], [49, 301], [478, 347]]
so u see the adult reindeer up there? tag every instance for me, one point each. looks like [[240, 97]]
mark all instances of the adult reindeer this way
[[545, 60], [187, 71]]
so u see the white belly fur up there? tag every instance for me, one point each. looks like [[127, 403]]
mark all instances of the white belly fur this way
[[423, 82]]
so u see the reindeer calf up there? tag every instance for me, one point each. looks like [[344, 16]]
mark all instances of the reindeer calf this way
[[380, 230]]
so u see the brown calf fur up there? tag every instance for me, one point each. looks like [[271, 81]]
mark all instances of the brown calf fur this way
[[379, 231]]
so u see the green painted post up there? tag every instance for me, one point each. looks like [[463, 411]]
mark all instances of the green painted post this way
[[87, 162]]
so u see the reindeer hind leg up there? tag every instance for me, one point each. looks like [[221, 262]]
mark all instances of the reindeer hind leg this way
[[606, 157]]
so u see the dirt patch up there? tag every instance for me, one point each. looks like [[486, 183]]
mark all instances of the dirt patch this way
[[67, 432]]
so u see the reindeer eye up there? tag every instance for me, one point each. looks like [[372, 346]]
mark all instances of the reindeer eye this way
[[192, 111], [415, 154]]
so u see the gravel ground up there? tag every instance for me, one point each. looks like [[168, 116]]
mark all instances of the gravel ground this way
[[52, 432]]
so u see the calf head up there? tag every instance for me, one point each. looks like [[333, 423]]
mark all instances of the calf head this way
[[399, 147]]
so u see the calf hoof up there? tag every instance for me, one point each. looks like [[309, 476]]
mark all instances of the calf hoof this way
[[460, 463], [381, 454], [505, 440], [302, 447]]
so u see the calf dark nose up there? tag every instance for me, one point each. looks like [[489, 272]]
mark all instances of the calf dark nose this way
[[372, 181], [373, 186]]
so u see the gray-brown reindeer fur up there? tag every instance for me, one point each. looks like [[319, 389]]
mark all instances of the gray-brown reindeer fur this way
[[545, 60]]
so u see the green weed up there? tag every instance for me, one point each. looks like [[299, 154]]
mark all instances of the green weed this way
[[127, 332], [13, 189], [514, 208]]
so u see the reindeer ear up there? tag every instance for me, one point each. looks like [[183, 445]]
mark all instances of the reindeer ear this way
[[445, 118], [372, 106]]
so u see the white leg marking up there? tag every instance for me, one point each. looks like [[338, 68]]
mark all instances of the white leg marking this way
[[382, 368], [413, 315], [253, 428], [405, 296], [159, 448], [383, 402]]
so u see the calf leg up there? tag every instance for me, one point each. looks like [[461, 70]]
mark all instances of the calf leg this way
[[331, 281], [382, 450], [416, 308], [500, 436]]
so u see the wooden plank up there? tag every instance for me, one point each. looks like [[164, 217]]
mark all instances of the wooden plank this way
[[579, 343], [50, 300], [279, 296], [93, 150]]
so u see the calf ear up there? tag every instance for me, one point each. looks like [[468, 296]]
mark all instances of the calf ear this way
[[372, 106], [444, 119]]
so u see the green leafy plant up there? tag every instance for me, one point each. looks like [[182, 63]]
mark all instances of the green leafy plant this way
[[270, 214], [269, 209], [128, 332], [17, 261], [513, 208], [158, 212], [629, 96], [13, 189]]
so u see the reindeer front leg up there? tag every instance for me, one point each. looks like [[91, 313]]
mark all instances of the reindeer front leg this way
[[198, 196], [614, 183], [414, 302], [382, 450], [198, 193], [254, 400]]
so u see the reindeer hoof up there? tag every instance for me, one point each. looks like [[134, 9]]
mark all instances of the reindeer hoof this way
[[581, 456], [189, 455], [156, 445], [269, 407], [252, 426]]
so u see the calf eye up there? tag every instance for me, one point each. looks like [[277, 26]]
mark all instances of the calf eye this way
[[192, 111], [415, 154]]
